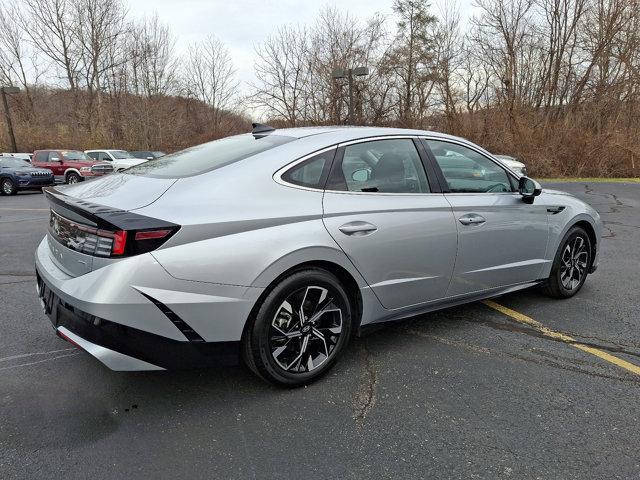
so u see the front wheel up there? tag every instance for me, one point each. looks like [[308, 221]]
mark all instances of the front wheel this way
[[73, 178], [299, 329], [571, 264], [7, 187]]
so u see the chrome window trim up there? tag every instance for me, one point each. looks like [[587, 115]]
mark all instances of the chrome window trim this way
[[487, 155], [277, 176]]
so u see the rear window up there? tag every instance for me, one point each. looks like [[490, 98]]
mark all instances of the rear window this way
[[13, 163], [208, 156]]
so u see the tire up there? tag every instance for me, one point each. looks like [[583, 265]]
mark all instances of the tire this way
[[7, 187], [571, 264], [72, 177], [286, 351]]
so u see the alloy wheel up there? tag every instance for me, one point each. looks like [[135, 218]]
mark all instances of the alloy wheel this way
[[305, 329], [575, 258], [7, 187], [72, 179]]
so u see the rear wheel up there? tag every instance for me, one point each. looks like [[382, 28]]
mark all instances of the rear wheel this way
[[7, 187], [571, 264], [299, 329], [73, 177]]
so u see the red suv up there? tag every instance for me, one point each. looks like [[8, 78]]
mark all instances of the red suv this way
[[70, 166]]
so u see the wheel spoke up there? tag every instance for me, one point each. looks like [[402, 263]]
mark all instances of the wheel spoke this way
[[305, 329]]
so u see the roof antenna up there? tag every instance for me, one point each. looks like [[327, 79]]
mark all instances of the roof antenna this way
[[260, 130]]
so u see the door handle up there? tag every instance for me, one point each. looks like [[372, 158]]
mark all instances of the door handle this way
[[357, 228], [472, 219]]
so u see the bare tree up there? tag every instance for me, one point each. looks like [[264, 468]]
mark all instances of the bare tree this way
[[55, 36], [282, 71], [18, 63], [150, 47], [210, 77]]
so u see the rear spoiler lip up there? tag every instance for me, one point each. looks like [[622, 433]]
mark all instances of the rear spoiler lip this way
[[101, 215]]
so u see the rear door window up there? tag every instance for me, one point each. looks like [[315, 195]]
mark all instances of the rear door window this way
[[40, 157], [380, 166]]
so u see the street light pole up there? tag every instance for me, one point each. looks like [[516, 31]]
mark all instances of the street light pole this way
[[348, 74], [7, 114]]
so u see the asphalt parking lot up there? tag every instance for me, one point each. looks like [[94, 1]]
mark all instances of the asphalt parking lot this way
[[539, 389]]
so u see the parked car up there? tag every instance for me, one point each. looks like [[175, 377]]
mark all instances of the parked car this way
[[513, 163], [23, 156], [309, 235], [17, 174], [120, 159], [147, 155], [70, 166]]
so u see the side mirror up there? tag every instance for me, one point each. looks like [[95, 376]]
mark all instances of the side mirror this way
[[361, 175], [529, 189]]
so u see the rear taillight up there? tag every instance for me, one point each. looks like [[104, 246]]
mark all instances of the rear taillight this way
[[152, 234], [102, 242]]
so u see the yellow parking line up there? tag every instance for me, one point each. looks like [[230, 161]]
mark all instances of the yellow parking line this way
[[547, 332]]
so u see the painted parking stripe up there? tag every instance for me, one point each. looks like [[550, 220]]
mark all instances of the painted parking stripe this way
[[547, 332]]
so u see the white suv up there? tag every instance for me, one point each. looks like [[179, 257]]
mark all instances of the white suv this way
[[120, 159]]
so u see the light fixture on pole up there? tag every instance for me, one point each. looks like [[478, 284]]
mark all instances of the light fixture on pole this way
[[349, 73], [8, 90]]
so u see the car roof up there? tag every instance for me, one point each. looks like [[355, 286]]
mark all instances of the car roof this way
[[348, 132], [106, 150]]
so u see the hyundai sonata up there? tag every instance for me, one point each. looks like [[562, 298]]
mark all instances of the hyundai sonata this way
[[276, 246]]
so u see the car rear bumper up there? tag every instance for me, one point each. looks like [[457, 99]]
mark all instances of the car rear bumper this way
[[123, 348], [132, 315]]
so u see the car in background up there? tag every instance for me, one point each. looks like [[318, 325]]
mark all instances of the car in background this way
[[147, 155], [70, 166], [17, 174], [513, 163], [120, 159], [22, 156]]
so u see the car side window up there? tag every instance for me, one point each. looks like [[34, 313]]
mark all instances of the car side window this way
[[40, 157], [381, 166], [467, 171], [54, 157], [94, 155], [309, 173]]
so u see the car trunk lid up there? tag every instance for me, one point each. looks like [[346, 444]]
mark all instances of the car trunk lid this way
[[84, 236], [119, 191]]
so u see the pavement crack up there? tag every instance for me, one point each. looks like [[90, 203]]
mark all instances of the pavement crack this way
[[519, 328], [542, 357], [366, 396]]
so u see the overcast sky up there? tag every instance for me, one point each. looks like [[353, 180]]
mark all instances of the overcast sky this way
[[241, 24]]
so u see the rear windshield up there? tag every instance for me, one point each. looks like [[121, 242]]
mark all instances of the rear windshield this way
[[208, 156], [13, 163]]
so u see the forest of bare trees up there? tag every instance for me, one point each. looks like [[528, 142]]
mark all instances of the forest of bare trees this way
[[553, 82]]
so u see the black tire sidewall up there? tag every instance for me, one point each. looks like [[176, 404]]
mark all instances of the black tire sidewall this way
[[73, 174], [258, 336], [556, 281]]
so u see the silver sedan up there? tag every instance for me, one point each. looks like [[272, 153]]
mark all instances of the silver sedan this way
[[278, 245]]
